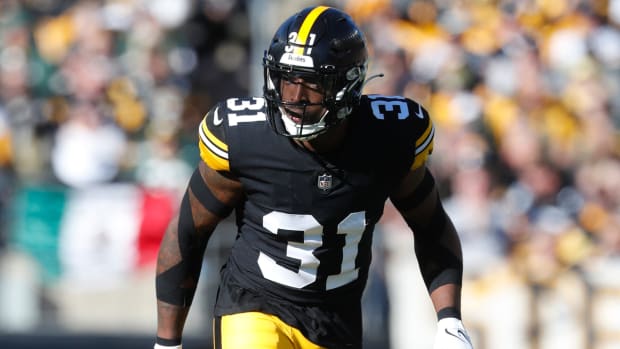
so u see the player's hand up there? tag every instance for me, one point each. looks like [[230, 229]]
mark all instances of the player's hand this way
[[451, 334]]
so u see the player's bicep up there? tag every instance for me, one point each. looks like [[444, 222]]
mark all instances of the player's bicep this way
[[416, 195], [212, 195]]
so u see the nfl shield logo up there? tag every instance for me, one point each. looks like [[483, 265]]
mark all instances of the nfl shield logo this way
[[325, 182]]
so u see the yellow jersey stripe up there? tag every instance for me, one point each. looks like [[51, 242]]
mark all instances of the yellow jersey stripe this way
[[221, 145], [213, 151], [423, 143], [425, 134], [421, 157], [215, 162], [424, 146], [306, 25]]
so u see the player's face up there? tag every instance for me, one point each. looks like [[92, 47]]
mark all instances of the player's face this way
[[302, 98]]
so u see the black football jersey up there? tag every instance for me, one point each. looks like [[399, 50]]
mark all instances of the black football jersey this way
[[305, 226]]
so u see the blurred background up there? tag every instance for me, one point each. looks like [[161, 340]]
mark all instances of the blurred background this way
[[99, 106]]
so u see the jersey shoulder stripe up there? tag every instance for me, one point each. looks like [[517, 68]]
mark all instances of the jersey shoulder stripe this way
[[212, 140], [424, 143]]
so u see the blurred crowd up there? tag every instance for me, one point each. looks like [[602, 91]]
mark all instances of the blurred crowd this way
[[94, 91], [99, 107], [525, 96]]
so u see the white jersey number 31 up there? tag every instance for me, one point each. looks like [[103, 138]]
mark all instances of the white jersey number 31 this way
[[351, 227]]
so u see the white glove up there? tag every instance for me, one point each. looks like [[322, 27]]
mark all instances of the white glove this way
[[159, 346], [451, 334]]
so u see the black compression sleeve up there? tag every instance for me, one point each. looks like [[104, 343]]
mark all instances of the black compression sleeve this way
[[168, 342], [177, 285], [439, 264], [449, 312], [205, 196], [419, 194]]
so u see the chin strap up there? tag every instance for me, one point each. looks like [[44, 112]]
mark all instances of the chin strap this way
[[294, 129]]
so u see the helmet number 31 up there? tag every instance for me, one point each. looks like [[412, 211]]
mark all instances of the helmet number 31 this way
[[302, 252], [292, 37]]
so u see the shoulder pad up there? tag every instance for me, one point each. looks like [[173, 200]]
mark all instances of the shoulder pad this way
[[215, 129], [212, 139], [408, 118], [425, 136]]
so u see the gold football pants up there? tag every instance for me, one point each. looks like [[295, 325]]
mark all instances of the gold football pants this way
[[257, 331]]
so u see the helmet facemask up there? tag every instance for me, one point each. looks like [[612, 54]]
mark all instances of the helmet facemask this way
[[341, 92]]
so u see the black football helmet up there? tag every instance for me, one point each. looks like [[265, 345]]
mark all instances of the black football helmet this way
[[321, 45]]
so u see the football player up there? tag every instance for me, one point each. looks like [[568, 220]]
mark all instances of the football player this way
[[307, 168]]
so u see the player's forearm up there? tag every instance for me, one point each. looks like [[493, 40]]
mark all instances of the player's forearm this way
[[446, 300], [179, 263], [170, 320], [437, 245], [174, 294], [178, 269], [175, 290], [441, 263], [182, 249], [439, 255]]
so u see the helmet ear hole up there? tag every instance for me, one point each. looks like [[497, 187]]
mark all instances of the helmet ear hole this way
[[353, 74]]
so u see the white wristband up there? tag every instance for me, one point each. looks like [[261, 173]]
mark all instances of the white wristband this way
[[159, 346]]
